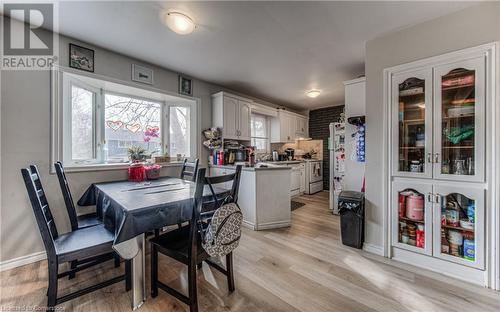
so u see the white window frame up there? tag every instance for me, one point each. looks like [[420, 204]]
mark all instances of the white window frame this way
[[268, 133], [61, 80]]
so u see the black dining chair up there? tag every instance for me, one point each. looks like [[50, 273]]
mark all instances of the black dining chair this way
[[92, 244], [77, 222], [189, 170], [184, 244]]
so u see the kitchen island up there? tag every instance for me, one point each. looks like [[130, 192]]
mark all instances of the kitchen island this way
[[264, 195]]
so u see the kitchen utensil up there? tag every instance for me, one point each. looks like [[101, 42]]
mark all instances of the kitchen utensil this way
[[275, 156]]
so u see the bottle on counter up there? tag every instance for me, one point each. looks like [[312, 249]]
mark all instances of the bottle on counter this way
[[220, 158]]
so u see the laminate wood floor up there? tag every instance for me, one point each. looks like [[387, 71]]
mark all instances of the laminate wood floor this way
[[301, 268]]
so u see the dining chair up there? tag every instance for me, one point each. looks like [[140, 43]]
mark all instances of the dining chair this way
[[184, 244], [77, 222], [92, 244], [189, 170]]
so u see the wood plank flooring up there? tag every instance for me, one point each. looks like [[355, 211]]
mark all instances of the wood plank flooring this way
[[301, 268]]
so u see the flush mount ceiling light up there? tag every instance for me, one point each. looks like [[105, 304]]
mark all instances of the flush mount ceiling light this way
[[313, 93], [179, 23]]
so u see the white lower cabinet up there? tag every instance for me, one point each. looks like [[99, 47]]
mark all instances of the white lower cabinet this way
[[439, 219]]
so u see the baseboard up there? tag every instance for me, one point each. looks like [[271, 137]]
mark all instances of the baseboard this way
[[273, 225], [24, 260], [374, 249], [248, 225]]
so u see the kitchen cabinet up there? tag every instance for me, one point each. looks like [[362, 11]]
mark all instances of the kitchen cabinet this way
[[445, 138], [302, 127], [286, 128], [439, 220], [297, 182], [442, 146], [232, 114]]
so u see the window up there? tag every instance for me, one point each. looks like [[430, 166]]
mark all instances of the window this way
[[131, 122], [102, 120], [260, 133]]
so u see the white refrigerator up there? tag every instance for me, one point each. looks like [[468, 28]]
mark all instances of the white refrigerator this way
[[336, 147]]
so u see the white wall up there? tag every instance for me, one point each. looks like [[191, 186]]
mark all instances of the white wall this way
[[25, 126], [470, 27], [355, 105]]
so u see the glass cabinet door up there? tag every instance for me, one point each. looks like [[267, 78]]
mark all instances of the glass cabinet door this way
[[459, 225], [412, 124], [459, 119], [412, 216]]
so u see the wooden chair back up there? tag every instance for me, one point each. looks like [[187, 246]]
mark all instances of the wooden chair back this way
[[189, 170], [233, 195], [41, 209], [68, 199]]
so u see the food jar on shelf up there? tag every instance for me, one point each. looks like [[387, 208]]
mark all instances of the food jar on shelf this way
[[469, 246], [420, 236], [415, 207]]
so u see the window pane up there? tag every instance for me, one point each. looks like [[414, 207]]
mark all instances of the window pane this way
[[259, 126], [81, 124], [260, 144], [131, 122], [180, 130]]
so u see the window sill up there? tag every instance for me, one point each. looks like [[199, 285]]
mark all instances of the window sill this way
[[111, 166]]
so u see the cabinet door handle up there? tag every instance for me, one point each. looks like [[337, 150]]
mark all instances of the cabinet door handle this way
[[429, 158], [437, 198], [429, 197], [436, 158]]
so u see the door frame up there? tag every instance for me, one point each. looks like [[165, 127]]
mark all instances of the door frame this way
[[492, 202]]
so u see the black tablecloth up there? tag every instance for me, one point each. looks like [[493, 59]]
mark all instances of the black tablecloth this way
[[130, 209]]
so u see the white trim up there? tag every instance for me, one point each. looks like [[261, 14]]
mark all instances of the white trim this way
[[374, 249], [492, 240], [273, 225], [354, 81], [24, 260], [451, 269]]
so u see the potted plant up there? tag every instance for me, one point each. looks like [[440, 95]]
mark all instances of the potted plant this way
[[136, 153]]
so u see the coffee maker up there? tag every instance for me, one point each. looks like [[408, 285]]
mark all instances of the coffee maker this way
[[289, 153]]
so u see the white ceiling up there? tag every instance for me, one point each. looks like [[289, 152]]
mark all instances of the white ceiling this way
[[272, 50]]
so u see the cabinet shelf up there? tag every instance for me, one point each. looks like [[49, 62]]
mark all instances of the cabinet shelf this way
[[458, 228], [458, 147], [411, 220], [458, 87], [459, 117]]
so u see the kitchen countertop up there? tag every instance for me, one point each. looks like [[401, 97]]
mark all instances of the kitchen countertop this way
[[251, 168]]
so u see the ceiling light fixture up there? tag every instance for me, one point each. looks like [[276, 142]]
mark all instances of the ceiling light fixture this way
[[313, 93], [179, 23]]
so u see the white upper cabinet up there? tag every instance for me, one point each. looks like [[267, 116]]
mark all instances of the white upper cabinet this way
[[438, 121], [232, 114], [412, 124], [459, 118], [244, 120], [287, 127]]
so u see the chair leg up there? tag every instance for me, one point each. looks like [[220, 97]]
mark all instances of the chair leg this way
[[154, 271], [193, 289], [229, 270], [199, 265], [52, 289], [128, 275], [117, 261], [73, 265]]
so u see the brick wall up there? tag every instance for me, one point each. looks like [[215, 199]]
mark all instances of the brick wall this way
[[319, 121]]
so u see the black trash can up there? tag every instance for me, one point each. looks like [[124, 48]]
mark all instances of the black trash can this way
[[352, 218]]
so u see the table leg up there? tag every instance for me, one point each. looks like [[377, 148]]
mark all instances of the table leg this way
[[138, 274]]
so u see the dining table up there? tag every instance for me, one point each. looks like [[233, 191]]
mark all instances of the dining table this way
[[132, 209]]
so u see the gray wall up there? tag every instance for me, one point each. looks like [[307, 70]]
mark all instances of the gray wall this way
[[473, 26], [25, 126]]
